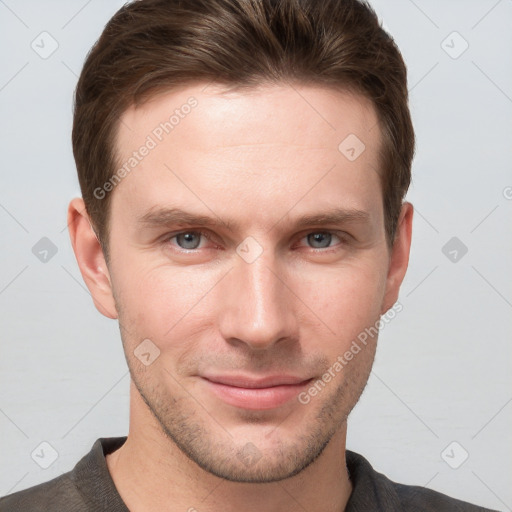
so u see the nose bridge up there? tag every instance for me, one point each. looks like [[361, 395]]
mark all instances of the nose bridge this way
[[258, 306]]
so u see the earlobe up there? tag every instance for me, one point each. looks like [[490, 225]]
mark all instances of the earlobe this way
[[399, 259], [90, 258]]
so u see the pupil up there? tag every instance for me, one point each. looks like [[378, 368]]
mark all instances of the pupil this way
[[319, 237], [189, 240]]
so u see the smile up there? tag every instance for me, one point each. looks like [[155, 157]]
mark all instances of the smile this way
[[256, 393]]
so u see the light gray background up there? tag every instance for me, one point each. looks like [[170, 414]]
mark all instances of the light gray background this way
[[443, 367]]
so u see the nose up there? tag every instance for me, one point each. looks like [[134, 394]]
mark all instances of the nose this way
[[256, 304]]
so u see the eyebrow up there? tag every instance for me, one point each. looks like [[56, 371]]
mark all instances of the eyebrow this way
[[166, 217]]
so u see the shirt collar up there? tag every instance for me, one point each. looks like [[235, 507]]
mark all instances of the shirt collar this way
[[370, 490]]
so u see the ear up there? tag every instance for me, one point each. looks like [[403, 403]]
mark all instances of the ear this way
[[90, 259], [399, 259]]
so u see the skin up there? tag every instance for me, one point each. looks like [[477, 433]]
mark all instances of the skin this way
[[259, 158]]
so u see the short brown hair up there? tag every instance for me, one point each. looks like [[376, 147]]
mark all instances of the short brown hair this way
[[150, 46]]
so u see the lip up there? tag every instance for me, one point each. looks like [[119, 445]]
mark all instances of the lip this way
[[255, 393]]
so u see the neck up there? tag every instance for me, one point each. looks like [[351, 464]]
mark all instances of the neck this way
[[151, 473]]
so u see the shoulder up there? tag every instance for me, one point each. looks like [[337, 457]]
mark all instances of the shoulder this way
[[43, 497], [375, 491], [419, 499], [88, 486]]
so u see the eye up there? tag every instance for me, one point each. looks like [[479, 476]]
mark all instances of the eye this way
[[323, 239], [318, 240], [188, 240]]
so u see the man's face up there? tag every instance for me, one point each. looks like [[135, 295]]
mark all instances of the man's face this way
[[252, 310]]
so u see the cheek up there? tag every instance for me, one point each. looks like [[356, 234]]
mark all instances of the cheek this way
[[160, 301], [174, 305], [346, 299]]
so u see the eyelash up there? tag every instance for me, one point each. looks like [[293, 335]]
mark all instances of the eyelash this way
[[343, 237]]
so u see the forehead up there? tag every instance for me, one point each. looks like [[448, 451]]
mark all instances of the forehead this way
[[249, 146], [264, 114]]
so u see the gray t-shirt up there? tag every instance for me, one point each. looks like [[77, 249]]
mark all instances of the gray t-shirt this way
[[89, 487]]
